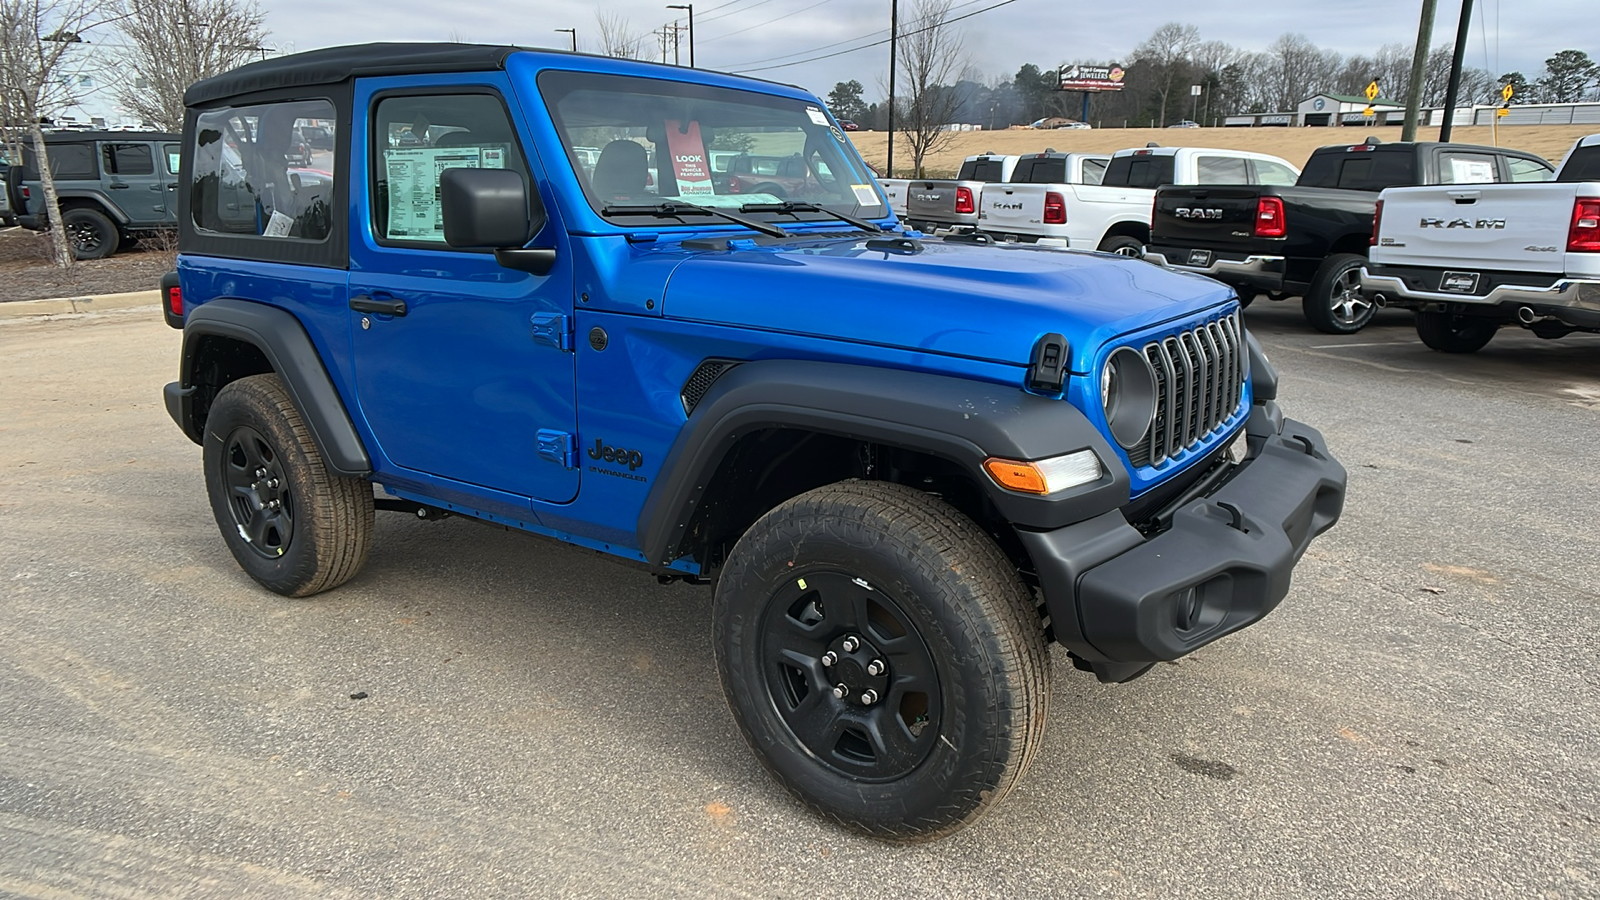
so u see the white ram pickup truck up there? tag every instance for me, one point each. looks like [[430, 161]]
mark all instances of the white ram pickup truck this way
[[1470, 258], [1113, 214]]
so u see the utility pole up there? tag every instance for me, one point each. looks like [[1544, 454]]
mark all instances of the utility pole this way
[[690, 8], [574, 33], [1419, 64], [677, 30], [894, 33], [1455, 71]]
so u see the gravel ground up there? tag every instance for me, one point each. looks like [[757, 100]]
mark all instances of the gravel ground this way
[[27, 272]]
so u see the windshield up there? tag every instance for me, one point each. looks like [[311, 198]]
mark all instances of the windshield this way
[[642, 141]]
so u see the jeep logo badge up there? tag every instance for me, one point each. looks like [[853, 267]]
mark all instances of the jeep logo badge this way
[[632, 458]]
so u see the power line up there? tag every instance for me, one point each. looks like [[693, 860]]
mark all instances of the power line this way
[[735, 12], [874, 43], [859, 37], [767, 22]]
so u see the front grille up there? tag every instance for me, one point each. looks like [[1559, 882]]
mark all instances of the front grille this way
[[1199, 383]]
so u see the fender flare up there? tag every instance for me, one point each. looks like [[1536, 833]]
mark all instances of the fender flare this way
[[962, 420], [284, 342], [99, 198]]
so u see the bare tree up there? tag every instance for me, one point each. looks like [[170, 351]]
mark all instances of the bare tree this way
[[174, 43], [1298, 69], [36, 40], [617, 36], [1167, 53], [931, 60]]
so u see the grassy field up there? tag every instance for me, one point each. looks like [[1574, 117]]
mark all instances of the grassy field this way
[[1292, 144]]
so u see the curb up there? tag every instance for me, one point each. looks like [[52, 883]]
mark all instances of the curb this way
[[69, 305]]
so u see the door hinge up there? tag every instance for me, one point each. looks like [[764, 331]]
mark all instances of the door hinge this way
[[552, 330], [558, 447]]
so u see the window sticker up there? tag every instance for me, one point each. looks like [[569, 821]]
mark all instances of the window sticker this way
[[414, 211], [818, 117], [865, 195], [1472, 171], [689, 166], [278, 226]]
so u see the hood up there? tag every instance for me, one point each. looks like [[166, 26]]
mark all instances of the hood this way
[[981, 302]]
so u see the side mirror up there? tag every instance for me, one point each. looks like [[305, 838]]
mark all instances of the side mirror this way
[[492, 209]]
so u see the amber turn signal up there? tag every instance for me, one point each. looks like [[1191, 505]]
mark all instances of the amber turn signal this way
[[1012, 475], [1046, 476]]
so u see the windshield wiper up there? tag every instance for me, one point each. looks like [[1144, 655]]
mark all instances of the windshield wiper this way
[[790, 207], [675, 208]]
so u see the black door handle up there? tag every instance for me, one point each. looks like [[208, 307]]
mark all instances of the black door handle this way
[[384, 307]]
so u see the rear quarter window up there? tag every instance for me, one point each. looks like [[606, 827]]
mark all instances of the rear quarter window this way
[[1150, 171], [987, 170], [243, 182], [68, 162]]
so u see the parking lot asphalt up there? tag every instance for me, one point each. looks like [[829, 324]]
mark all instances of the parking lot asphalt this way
[[1420, 718]]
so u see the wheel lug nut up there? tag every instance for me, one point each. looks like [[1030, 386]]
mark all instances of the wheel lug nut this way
[[850, 644], [830, 658], [261, 473], [875, 667], [869, 697], [840, 691]]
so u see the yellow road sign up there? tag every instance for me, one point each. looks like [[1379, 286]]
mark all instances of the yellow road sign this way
[[1505, 92], [1372, 92], [1369, 112], [1502, 111]]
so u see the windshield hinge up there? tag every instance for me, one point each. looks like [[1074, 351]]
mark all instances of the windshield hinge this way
[[558, 447]]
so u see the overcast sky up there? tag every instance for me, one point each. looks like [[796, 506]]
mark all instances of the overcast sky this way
[[745, 34]]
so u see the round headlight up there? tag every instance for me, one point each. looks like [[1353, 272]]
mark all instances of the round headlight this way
[[1128, 393]]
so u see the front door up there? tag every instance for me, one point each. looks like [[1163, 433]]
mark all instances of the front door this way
[[464, 368], [131, 180]]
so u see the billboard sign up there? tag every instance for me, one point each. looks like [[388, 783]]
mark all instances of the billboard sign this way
[[1090, 78]]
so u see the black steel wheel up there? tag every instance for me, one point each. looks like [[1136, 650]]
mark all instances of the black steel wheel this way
[[292, 525], [1334, 304], [882, 658], [1450, 333], [91, 234]]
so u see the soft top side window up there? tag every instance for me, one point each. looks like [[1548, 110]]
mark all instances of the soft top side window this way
[[243, 182]]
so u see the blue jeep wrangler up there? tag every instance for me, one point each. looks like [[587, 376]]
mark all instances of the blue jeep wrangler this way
[[904, 465]]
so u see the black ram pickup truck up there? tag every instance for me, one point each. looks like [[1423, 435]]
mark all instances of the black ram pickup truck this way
[[1311, 238]]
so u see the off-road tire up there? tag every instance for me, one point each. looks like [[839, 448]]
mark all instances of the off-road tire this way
[[1123, 245], [1449, 333], [253, 424], [923, 566], [1333, 304], [90, 233]]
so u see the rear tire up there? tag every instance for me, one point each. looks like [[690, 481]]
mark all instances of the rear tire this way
[[292, 525], [1123, 245], [1334, 303], [90, 233], [929, 596], [1449, 333]]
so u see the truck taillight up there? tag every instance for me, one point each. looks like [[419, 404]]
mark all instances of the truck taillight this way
[[1584, 236], [964, 200], [1377, 221], [1055, 209], [175, 301], [1269, 217]]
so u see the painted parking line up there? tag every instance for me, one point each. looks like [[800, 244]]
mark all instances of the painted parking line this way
[[1368, 344]]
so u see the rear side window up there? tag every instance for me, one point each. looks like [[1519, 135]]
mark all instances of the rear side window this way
[[1523, 169], [243, 182], [1582, 165], [1221, 170], [172, 154], [1269, 172], [1456, 167], [1048, 170], [129, 159], [1149, 171], [68, 162], [415, 138], [1094, 171]]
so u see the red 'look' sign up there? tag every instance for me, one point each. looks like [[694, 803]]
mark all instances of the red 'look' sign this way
[[689, 165]]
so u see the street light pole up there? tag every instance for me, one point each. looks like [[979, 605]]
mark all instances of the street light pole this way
[[690, 8], [574, 33], [894, 19], [1454, 88]]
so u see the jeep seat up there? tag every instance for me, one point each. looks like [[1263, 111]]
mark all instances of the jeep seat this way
[[621, 170]]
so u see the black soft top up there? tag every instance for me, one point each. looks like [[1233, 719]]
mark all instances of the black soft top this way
[[335, 64]]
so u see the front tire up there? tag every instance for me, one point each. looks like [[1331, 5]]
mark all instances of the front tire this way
[[1334, 303], [292, 525], [856, 573], [1449, 333], [90, 233]]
